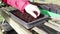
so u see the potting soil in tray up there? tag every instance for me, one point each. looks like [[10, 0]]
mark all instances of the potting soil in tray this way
[[25, 16]]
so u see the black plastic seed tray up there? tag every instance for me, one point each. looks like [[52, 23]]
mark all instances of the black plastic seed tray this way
[[45, 7], [30, 24], [51, 7]]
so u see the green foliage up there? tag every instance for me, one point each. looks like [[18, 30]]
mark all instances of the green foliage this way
[[1, 18], [2, 4]]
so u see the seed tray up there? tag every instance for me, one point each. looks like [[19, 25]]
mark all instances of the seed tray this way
[[30, 24]]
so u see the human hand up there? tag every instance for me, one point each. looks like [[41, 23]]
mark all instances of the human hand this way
[[32, 10]]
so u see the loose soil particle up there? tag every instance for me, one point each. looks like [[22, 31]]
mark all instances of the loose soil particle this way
[[25, 16]]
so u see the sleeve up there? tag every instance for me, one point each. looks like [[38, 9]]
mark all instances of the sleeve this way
[[18, 4]]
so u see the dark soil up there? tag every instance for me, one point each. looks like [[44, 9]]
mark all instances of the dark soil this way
[[25, 16]]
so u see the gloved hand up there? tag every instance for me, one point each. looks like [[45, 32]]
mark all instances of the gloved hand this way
[[32, 9]]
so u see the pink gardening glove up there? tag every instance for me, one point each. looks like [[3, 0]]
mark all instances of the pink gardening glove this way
[[23, 4], [18, 4]]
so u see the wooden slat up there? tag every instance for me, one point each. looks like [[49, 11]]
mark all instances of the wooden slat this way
[[18, 28], [56, 19], [1, 30], [54, 23], [55, 27], [40, 31], [48, 1]]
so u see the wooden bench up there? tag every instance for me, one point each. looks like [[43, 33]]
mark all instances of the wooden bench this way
[[22, 30]]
